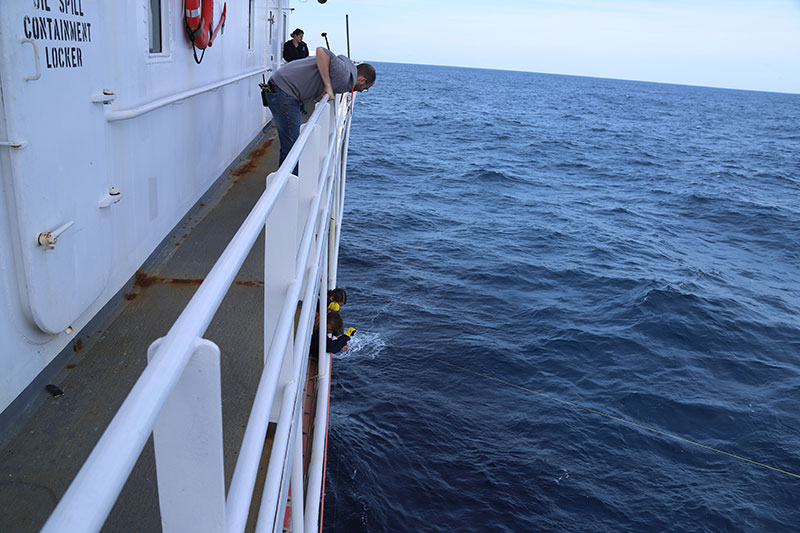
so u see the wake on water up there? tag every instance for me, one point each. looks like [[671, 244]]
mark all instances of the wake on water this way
[[364, 345]]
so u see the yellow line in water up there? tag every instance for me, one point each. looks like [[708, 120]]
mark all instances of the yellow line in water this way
[[618, 419]]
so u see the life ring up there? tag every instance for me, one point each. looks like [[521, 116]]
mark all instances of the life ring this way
[[199, 18]]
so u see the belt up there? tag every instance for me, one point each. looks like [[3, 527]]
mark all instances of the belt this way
[[274, 89]]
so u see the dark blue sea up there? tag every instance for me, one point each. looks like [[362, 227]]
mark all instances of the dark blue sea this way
[[555, 279]]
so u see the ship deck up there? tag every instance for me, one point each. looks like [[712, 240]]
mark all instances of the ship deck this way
[[44, 448]]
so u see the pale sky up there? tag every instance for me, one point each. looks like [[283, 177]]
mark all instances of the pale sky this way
[[742, 44]]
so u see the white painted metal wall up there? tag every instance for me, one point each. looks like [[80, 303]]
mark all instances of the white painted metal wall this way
[[77, 81]]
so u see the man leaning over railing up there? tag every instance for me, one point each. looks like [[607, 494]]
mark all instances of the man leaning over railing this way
[[307, 79]]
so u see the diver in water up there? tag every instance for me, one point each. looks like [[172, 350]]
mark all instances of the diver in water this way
[[336, 299], [333, 343]]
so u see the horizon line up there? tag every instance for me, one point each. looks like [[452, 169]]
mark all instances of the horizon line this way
[[602, 78]]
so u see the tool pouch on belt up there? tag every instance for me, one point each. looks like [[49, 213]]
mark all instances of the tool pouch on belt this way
[[266, 88]]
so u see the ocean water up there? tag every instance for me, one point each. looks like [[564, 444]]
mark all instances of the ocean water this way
[[516, 241]]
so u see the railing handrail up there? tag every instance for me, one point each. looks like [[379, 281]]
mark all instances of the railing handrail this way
[[281, 457], [133, 112], [93, 492], [244, 475], [270, 503]]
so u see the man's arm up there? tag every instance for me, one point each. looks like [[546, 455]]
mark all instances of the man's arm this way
[[324, 65]]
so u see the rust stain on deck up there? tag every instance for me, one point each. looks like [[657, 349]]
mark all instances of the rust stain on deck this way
[[244, 169], [252, 158], [144, 281], [261, 150], [181, 281], [244, 283]]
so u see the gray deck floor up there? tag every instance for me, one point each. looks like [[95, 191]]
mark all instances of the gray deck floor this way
[[43, 451]]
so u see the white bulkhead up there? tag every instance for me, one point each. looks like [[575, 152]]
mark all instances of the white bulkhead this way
[[104, 148]]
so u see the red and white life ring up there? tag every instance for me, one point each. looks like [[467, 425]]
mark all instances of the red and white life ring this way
[[199, 17]]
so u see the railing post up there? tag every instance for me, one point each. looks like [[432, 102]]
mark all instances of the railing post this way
[[317, 450], [310, 164], [341, 170], [326, 122], [309, 178], [297, 482], [280, 254], [188, 446], [316, 464], [276, 486]]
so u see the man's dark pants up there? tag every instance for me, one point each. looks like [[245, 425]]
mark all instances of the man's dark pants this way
[[288, 115]]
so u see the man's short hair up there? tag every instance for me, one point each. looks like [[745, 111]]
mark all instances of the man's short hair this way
[[368, 71]]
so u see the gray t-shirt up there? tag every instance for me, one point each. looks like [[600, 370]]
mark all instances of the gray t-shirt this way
[[301, 78]]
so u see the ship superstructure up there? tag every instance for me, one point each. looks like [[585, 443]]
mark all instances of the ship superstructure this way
[[110, 133]]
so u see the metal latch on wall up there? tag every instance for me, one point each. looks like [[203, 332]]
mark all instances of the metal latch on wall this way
[[50, 238], [12, 144], [105, 97], [112, 196]]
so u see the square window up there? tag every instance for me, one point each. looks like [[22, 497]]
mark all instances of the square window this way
[[251, 20], [156, 36]]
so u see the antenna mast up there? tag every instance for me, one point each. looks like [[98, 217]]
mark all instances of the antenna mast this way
[[347, 25]]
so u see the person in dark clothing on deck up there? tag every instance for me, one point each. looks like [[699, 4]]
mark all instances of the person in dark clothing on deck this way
[[332, 345], [309, 79], [295, 48]]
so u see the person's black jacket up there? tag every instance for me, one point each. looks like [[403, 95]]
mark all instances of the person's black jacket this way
[[331, 345], [290, 53]]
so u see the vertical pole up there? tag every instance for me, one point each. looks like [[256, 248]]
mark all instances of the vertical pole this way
[[297, 479], [347, 24], [270, 515], [342, 178], [315, 488], [316, 477], [308, 180], [323, 305], [280, 253], [188, 446], [310, 164], [333, 172]]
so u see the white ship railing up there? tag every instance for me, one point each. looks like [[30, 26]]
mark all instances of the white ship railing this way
[[178, 396]]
